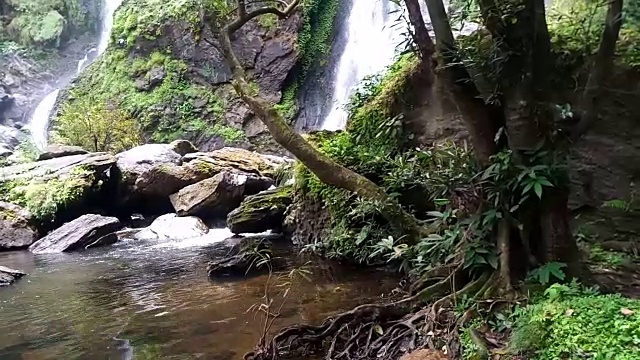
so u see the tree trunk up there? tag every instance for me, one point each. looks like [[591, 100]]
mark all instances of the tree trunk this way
[[481, 120], [420, 33], [327, 170], [601, 68]]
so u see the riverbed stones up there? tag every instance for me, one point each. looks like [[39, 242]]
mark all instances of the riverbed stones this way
[[211, 197], [56, 151], [17, 228], [172, 227], [77, 234], [261, 212], [9, 276]]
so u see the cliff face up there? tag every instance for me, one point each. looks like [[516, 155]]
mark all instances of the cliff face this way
[[40, 42], [163, 68]]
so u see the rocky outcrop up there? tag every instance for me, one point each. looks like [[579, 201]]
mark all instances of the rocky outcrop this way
[[172, 227], [58, 190], [211, 197], [9, 276], [17, 228], [152, 172], [261, 212], [242, 160], [306, 221], [56, 151], [86, 231]]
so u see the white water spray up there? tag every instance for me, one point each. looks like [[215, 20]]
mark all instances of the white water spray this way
[[38, 125], [371, 45]]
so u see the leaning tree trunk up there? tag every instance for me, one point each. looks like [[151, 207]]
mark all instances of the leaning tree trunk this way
[[327, 170], [601, 68]]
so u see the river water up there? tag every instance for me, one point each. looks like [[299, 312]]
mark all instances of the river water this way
[[153, 300]]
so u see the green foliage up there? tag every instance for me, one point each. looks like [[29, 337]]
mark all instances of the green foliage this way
[[171, 110], [575, 27], [145, 19], [372, 147], [570, 323], [545, 273], [607, 258], [42, 23], [313, 44], [94, 126]]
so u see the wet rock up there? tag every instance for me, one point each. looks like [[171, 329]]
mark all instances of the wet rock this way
[[142, 158], [9, 276], [172, 227], [56, 151], [244, 255], [17, 229], [306, 221], [10, 138], [183, 147], [243, 160], [165, 179], [134, 162], [151, 79], [58, 167], [261, 212], [84, 231], [211, 197], [61, 189]]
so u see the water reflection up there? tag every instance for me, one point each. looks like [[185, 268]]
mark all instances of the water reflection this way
[[140, 300]]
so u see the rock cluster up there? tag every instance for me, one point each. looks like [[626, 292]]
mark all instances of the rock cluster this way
[[72, 200]]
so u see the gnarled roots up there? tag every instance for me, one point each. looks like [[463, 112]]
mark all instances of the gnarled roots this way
[[377, 331]]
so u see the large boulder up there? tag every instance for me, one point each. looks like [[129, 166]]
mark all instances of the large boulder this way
[[261, 212], [85, 231], [8, 276], [242, 160], [17, 229], [211, 197], [171, 227], [60, 189], [55, 151]]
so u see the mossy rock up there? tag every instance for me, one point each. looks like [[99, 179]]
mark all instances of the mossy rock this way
[[261, 212], [17, 228]]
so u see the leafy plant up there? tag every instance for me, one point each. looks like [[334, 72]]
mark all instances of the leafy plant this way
[[545, 273]]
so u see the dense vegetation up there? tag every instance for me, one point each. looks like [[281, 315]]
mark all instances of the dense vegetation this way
[[42, 24], [486, 223]]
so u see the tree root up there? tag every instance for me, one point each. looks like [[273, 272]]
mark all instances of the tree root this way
[[377, 331]]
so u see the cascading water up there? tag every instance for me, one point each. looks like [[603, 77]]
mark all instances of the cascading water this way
[[38, 125], [371, 44]]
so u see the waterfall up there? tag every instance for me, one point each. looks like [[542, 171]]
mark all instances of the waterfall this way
[[38, 124], [371, 43]]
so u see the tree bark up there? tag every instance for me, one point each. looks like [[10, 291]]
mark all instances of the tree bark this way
[[601, 68], [421, 36], [480, 118], [327, 170]]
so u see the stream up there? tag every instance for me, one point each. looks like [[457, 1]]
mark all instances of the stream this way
[[153, 300]]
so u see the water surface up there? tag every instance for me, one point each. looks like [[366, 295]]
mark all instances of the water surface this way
[[147, 300]]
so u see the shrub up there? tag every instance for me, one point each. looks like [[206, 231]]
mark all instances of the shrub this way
[[570, 324], [96, 126]]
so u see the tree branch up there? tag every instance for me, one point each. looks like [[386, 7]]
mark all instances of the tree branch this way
[[244, 17], [327, 170]]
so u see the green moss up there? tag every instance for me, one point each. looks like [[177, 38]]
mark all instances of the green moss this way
[[36, 23], [578, 326], [43, 199], [372, 145], [314, 44], [170, 110]]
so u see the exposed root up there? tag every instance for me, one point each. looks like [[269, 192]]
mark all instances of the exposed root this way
[[384, 331]]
